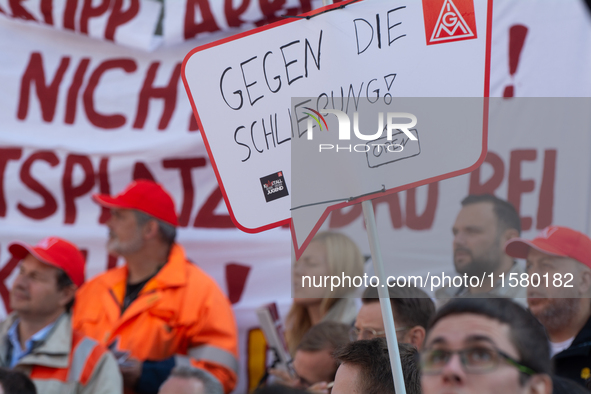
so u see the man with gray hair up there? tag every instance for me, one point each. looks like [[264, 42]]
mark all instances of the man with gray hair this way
[[187, 380], [159, 310]]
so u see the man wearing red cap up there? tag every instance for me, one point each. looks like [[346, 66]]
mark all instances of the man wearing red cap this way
[[158, 310], [37, 337], [559, 269]]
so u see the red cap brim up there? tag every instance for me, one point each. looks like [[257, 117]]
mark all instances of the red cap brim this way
[[519, 248], [20, 250], [107, 201]]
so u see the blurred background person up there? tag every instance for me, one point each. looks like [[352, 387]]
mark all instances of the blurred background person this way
[[365, 368], [561, 256], [313, 363], [485, 346], [329, 253], [566, 386], [187, 380], [483, 226], [15, 382], [412, 309]]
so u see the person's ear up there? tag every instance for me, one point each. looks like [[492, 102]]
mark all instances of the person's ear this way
[[150, 229], [67, 294], [416, 336], [585, 281], [540, 384], [509, 234]]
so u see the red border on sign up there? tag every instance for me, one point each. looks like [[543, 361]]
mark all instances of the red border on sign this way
[[299, 251]]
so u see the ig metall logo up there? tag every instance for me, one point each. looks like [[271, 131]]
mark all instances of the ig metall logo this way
[[344, 132]]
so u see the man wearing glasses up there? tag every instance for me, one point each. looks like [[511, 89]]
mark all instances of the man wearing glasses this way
[[411, 307], [482, 346]]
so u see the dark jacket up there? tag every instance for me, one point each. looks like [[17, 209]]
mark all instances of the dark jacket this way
[[575, 361]]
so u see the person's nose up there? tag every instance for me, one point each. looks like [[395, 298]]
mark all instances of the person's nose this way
[[20, 282], [453, 372], [459, 239]]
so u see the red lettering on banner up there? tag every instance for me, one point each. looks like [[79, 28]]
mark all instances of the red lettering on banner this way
[[19, 12], [70, 14], [47, 94], [185, 166], [517, 185], [208, 23], [73, 91], [140, 171], [193, 126], [72, 192], [393, 203], [167, 93], [495, 180], [269, 8], [74, 187], [424, 221], [88, 11], [97, 119], [345, 216], [50, 206], [104, 187], [47, 11], [546, 197], [236, 275], [119, 17], [207, 218], [6, 154], [4, 274], [414, 221], [233, 14]]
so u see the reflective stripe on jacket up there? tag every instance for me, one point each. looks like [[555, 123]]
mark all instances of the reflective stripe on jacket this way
[[66, 362], [180, 313]]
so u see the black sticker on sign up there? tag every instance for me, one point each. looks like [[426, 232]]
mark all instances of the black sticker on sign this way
[[274, 186]]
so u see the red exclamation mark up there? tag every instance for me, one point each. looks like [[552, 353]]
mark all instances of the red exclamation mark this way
[[517, 34]]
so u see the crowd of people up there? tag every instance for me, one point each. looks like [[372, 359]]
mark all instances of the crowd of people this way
[[159, 324]]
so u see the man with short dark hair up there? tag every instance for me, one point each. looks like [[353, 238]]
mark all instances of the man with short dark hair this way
[[187, 380], [159, 310], [313, 363], [483, 226], [412, 309], [365, 368], [37, 337], [485, 346], [559, 270]]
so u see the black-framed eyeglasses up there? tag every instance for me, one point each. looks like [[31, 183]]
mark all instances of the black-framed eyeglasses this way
[[368, 333], [475, 360]]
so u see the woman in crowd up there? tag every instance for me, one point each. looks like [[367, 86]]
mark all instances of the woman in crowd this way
[[329, 254]]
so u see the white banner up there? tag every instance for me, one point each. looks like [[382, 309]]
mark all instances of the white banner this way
[[80, 116]]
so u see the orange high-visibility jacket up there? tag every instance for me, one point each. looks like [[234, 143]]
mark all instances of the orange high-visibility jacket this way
[[65, 362], [180, 313]]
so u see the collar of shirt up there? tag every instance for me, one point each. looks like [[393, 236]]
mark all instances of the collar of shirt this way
[[18, 352]]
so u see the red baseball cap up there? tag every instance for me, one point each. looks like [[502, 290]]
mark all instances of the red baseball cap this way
[[143, 195], [555, 241], [56, 252]]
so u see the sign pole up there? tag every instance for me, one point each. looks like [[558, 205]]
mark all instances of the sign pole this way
[[387, 316]]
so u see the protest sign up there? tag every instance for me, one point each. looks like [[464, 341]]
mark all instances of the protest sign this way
[[241, 87]]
